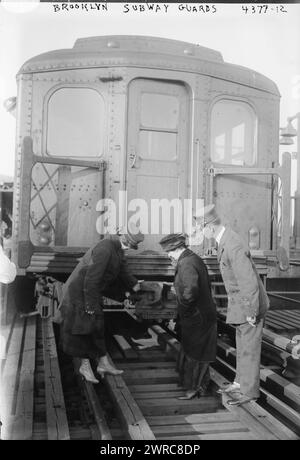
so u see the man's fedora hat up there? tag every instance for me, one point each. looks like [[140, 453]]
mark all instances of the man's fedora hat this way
[[207, 215], [133, 236], [173, 241]]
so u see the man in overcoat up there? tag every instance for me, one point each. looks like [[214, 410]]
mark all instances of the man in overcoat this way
[[197, 316], [101, 272], [247, 303]]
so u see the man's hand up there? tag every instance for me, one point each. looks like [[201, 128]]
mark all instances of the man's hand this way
[[128, 301], [172, 324], [251, 320]]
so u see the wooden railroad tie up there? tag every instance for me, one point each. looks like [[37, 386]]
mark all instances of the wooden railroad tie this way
[[57, 422], [263, 423], [17, 381]]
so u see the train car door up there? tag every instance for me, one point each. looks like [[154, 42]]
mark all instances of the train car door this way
[[243, 201], [157, 155]]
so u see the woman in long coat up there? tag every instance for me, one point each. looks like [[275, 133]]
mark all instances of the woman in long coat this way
[[102, 269], [197, 316]]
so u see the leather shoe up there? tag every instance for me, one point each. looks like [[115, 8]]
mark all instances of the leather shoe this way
[[190, 395], [102, 370], [86, 371], [232, 388], [240, 401]]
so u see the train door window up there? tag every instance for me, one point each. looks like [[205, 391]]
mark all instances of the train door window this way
[[233, 133], [75, 123], [158, 127]]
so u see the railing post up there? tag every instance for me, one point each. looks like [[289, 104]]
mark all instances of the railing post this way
[[25, 247], [297, 193], [297, 219], [286, 201]]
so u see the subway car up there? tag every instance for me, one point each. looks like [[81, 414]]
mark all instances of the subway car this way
[[158, 119]]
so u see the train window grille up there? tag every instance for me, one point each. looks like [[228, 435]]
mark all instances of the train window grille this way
[[233, 133]]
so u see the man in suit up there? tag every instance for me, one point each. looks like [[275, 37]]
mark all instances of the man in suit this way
[[101, 272], [247, 303]]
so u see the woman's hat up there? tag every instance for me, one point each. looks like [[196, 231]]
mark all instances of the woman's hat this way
[[173, 241]]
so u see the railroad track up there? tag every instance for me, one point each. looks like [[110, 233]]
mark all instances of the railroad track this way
[[41, 399], [280, 357], [279, 395], [62, 406], [148, 408], [47, 402]]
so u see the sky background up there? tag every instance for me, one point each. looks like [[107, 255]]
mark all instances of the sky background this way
[[268, 43]]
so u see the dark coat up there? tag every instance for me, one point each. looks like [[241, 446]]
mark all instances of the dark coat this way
[[97, 271], [196, 308], [246, 293]]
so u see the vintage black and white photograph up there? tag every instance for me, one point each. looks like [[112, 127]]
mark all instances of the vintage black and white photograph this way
[[150, 223]]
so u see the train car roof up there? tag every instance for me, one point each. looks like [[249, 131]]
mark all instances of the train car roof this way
[[149, 52]]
